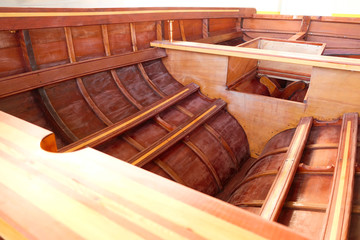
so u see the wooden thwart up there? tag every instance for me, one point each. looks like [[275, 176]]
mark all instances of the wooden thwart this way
[[32, 80], [337, 220], [132, 121], [173, 137], [276, 197]]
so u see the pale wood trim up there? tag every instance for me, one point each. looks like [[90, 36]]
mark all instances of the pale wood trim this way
[[263, 54], [168, 140], [337, 219], [281, 185]]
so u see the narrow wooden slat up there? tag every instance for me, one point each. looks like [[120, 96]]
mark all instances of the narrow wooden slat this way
[[223, 142], [29, 49], [182, 30], [124, 91], [337, 220], [281, 185], [213, 132], [79, 81], [206, 161], [140, 66], [205, 28], [340, 63], [220, 38], [28, 81], [131, 121], [173, 137]]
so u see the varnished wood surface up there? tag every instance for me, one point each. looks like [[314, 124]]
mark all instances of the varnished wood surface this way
[[263, 54], [52, 75], [50, 187], [278, 191], [27, 18]]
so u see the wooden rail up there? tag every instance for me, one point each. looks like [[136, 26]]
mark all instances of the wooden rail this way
[[127, 123], [281, 185], [264, 54], [179, 133], [337, 220], [23, 18], [32, 80]]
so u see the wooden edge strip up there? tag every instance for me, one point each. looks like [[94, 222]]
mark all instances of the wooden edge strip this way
[[220, 38], [337, 219], [281, 185], [31, 80], [131, 121], [173, 137], [264, 54]]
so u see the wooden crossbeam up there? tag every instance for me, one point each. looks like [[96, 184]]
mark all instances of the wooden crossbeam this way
[[337, 219], [340, 63], [32, 80], [276, 197], [131, 121], [220, 38], [179, 133]]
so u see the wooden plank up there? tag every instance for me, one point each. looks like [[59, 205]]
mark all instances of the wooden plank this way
[[24, 18], [277, 194], [264, 54], [61, 192], [173, 137], [124, 125], [337, 220], [220, 38], [182, 30], [28, 81]]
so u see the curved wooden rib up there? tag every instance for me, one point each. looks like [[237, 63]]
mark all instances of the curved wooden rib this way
[[47, 107], [140, 66], [131, 121], [224, 143], [80, 83], [281, 185], [159, 30], [59, 125], [206, 161], [306, 168], [114, 75], [337, 220], [173, 137], [182, 30]]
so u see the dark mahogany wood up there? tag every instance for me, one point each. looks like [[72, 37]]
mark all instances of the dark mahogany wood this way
[[126, 124]]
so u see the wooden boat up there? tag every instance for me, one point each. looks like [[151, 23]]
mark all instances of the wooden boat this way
[[257, 113]]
